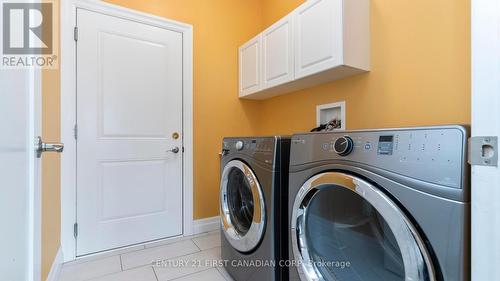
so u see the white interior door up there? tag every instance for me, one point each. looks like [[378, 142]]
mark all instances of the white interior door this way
[[485, 122], [19, 175], [129, 108]]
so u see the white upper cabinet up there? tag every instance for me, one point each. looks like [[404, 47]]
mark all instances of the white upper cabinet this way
[[277, 53], [249, 66], [319, 36], [320, 41]]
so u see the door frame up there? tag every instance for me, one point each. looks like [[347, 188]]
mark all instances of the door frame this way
[[35, 169], [68, 110], [485, 71]]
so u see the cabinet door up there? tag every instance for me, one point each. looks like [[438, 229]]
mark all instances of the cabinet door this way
[[318, 36], [249, 64], [277, 53]]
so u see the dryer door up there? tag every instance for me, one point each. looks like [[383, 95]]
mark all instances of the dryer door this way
[[344, 228], [242, 206]]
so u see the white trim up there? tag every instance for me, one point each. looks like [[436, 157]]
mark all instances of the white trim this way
[[68, 111], [35, 179], [68, 119], [187, 124], [324, 107], [485, 181], [56, 267], [206, 225]]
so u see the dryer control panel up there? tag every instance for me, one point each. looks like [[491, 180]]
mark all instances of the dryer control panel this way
[[432, 154], [261, 149]]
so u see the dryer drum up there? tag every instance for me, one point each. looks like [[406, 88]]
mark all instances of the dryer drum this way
[[240, 201], [344, 228], [242, 206]]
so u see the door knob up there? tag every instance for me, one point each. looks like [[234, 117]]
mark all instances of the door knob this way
[[42, 147], [175, 149]]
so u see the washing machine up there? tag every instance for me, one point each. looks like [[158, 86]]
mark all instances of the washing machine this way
[[253, 207], [386, 205]]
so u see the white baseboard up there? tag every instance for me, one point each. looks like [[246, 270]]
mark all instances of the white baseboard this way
[[206, 225], [55, 269]]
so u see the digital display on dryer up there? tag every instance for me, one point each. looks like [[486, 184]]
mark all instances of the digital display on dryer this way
[[253, 144], [385, 145]]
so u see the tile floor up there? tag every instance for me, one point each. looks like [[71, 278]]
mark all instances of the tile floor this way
[[184, 259]]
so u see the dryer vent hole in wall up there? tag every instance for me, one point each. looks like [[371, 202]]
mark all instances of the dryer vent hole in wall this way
[[330, 117]]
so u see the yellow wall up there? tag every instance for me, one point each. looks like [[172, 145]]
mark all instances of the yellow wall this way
[[420, 76], [420, 71], [51, 212]]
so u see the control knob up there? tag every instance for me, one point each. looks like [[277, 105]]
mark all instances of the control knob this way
[[239, 145], [343, 146]]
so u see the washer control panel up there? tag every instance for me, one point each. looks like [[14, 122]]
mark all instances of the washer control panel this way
[[432, 154], [259, 148]]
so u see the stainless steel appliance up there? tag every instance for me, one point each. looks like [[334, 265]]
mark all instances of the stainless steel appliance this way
[[253, 207], [383, 205]]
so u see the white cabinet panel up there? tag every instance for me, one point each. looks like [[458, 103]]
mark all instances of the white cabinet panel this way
[[318, 28], [277, 53], [249, 64]]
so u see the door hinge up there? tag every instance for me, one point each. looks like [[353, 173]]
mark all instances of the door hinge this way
[[183, 149], [75, 131], [75, 229], [75, 33], [483, 151]]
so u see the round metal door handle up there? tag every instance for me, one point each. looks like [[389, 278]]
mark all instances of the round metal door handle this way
[[175, 149], [42, 147]]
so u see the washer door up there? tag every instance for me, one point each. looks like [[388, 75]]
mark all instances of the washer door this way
[[344, 228], [242, 206]]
